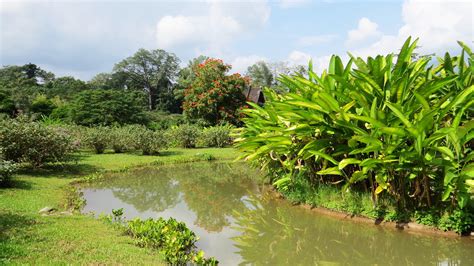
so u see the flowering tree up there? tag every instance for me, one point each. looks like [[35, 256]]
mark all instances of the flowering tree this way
[[214, 95]]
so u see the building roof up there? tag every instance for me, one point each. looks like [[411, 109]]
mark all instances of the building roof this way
[[254, 95]]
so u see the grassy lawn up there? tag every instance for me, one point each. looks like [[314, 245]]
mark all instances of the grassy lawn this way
[[28, 237]]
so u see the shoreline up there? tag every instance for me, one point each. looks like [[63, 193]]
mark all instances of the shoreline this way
[[409, 228]]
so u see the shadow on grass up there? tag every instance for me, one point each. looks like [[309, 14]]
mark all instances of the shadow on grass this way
[[11, 227], [170, 153], [16, 184], [68, 170]]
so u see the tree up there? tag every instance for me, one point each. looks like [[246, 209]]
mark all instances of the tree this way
[[106, 107], [24, 83], [42, 105], [260, 75], [65, 87], [7, 105], [215, 96], [153, 71]]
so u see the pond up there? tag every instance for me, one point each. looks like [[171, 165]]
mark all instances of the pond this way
[[240, 222]]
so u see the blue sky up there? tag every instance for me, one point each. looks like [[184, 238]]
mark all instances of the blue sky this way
[[83, 38]]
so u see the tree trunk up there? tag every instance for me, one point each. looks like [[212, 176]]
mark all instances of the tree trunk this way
[[151, 99]]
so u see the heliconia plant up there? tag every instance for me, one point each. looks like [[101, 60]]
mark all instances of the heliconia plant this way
[[398, 125]]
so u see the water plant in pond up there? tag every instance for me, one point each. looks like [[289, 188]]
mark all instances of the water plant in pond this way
[[174, 240], [397, 127]]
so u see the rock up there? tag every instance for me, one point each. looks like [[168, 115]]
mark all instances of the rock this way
[[47, 210], [68, 213]]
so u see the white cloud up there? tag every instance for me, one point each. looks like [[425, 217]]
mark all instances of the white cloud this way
[[316, 39], [298, 58], [241, 63], [438, 24], [365, 31], [293, 3], [224, 22]]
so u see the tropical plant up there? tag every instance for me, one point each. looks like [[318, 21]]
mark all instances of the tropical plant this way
[[185, 135], [174, 240], [214, 95], [107, 107], [33, 142], [150, 142], [216, 136], [398, 126], [98, 138]]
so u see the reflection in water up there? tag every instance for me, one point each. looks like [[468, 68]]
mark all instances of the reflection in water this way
[[238, 222]]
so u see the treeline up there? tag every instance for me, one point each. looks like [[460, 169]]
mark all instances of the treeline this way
[[397, 128], [141, 89]]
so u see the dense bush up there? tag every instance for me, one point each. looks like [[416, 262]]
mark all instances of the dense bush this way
[[217, 136], [7, 168], [107, 107], [32, 142], [41, 105], [97, 138], [120, 138], [150, 142], [174, 240], [162, 121], [185, 135], [400, 128]]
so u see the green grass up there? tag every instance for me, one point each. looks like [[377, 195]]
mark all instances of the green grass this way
[[27, 237]]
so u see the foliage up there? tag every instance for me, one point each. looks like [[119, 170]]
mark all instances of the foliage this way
[[399, 128], [217, 136], [65, 87], [32, 142], [7, 168], [42, 105], [106, 107], [161, 120], [214, 95], [150, 142], [98, 138], [260, 75], [121, 138], [174, 240], [7, 105], [151, 71], [185, 135]]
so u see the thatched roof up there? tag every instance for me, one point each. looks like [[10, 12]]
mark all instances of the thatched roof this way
[[254, 95]]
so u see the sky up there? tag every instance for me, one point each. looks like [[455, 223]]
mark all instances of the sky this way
[[83, 38]]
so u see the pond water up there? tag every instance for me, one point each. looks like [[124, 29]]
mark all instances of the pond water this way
[[240, 222]]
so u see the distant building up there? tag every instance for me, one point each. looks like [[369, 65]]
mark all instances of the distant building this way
[[254, 95]]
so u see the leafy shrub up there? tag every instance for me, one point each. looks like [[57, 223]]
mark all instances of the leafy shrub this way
[[174, 240], [7, 168], [32, 142], [397, 126], [150, 142], [97, 138], [217, 136], [42, 105], [163, 121], [185, 135], [120, 138]]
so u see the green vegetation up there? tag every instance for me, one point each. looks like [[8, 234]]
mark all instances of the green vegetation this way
[[213, 95], [107, 107], [173, 239], [397, 129], [28, 237], [218, 136], [34, 143]]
